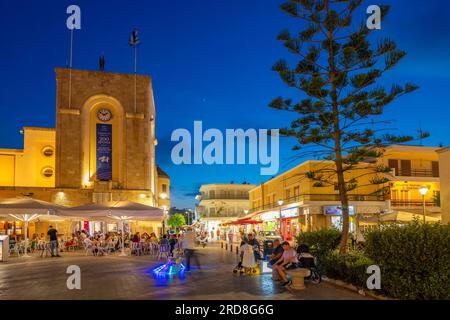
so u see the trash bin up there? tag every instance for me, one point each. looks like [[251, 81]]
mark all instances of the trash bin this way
[[4, 248], [268, 247]]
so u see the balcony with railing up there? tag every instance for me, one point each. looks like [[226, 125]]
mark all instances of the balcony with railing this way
[[224, 197], [413, 203], [417, 173], [223, 214], [320, 197]]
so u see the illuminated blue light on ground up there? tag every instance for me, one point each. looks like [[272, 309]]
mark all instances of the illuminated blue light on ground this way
[[169, 269]]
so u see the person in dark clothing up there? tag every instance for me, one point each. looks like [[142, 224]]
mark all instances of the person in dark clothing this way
[[172, 242], [277, 252], [53, 234]]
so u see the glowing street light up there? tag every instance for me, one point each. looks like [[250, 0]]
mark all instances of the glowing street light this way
[[423, 191], [163, 195]]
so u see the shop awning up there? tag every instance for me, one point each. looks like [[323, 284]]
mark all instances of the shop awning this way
[[122, 210], [27, 205], [244, 221]]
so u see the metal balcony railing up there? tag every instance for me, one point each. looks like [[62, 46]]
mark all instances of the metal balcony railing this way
[[417, 173], [224, 197], [222, 215], [321, 197], [411, 203]]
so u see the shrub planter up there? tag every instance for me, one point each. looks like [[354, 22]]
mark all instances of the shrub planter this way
[[352, 287]]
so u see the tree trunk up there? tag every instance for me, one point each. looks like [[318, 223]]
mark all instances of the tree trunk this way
[[337, 142], [345, 209]]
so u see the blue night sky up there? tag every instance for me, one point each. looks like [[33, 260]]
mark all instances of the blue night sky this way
[[209, 60]]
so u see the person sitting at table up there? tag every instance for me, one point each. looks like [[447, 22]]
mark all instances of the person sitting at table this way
[[153, 237], [136, 238], [90, 244], [71, 242]]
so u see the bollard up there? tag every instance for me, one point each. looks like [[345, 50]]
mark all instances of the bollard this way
[[231, 247], [226, 246], [221, 244]]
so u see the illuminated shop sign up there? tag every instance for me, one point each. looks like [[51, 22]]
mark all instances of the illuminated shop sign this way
[[289, 213], [272, 215], [104, 152], [337, 210]]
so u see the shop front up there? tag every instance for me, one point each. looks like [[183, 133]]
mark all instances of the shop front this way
[[270, 221], [289, 219], [334, 214]]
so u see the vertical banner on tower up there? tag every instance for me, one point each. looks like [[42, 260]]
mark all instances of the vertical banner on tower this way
[[104, 152]]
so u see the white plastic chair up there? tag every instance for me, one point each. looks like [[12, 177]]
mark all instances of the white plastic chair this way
[[14, 248], [164, 251], [136, 248]]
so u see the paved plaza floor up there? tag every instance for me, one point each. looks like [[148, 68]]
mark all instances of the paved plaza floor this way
[[114, 277]]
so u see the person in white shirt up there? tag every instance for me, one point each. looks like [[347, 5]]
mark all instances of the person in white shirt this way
[[287, 261], [188, 244]]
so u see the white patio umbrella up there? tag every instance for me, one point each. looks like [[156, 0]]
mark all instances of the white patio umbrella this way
[[117, 210], [406, 217], [26, 210]]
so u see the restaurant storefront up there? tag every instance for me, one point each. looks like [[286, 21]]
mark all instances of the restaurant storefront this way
[[289, 221]]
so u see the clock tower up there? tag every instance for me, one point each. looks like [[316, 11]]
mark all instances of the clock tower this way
[[105, 132]]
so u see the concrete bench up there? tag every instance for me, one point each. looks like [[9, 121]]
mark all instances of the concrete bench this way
[[298, 277]]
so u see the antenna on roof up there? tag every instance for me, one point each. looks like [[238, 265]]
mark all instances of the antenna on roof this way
[[420, 136], [101, 63], [72, 22]]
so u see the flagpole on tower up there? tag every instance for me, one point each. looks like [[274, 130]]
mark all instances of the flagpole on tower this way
[[134, 41], [70, 68], [72, 22]]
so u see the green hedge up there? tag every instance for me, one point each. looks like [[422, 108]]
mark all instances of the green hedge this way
[[350, 267], [321, 242], [414, 260]]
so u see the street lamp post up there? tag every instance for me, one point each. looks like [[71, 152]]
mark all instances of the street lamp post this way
[[164, 220], [280, 203], [423, 191]]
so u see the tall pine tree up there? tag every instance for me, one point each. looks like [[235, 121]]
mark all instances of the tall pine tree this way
[[339, 69]]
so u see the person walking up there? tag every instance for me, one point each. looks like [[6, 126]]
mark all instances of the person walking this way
[[172, 242], [188, 244], [53, 234]]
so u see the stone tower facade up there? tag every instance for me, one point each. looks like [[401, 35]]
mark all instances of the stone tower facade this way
[[124, 105]]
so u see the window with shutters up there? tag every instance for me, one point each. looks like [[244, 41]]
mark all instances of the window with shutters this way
[[393, 164], [296, 191], [435, 168]]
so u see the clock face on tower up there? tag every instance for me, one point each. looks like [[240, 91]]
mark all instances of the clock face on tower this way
[[104, 115]]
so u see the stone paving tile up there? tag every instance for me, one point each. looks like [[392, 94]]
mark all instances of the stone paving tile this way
[[114, 277]]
